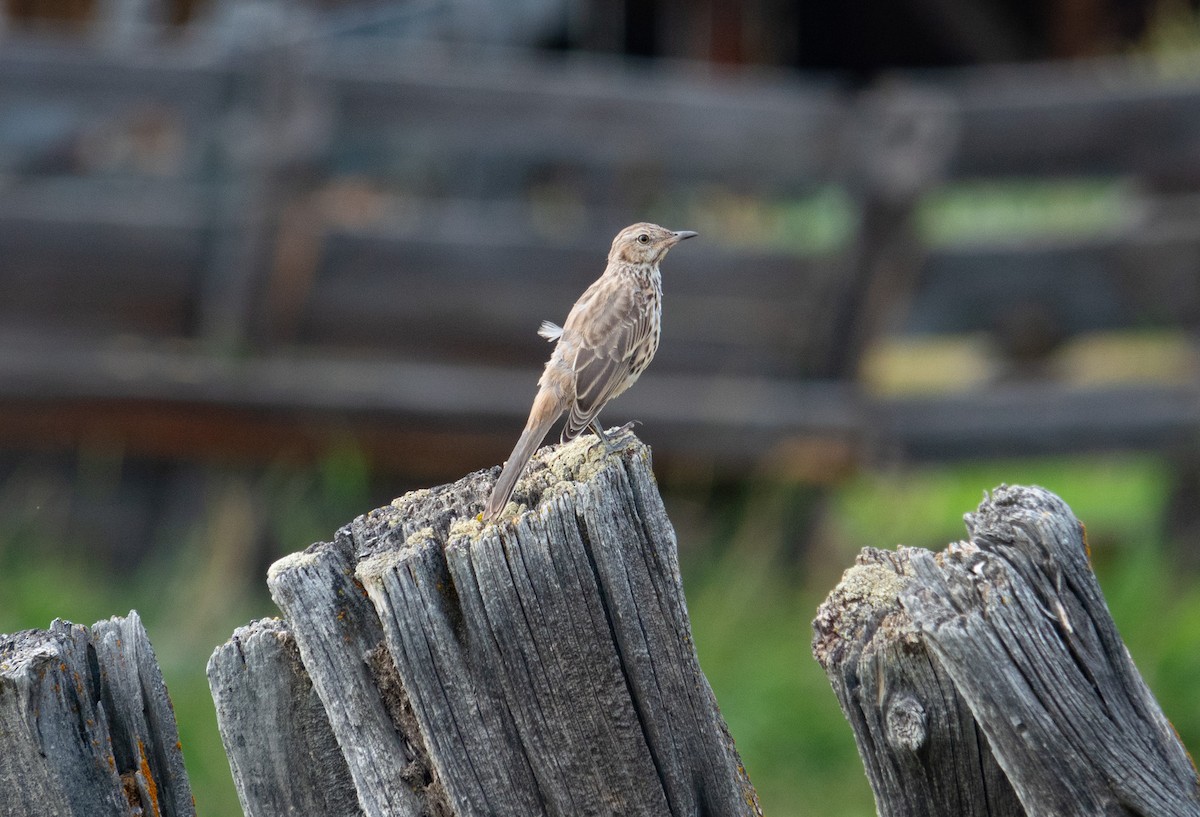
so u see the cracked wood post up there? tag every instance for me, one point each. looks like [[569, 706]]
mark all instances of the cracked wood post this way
[[989, 679], [542, 666], [272, 724], [87, 726]]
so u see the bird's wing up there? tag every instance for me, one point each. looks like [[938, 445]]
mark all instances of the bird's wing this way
[[607, 327]]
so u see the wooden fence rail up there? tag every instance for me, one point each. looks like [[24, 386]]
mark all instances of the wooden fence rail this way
[[379, 204]]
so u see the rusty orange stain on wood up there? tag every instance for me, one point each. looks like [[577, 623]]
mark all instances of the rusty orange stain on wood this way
[[148, 776]]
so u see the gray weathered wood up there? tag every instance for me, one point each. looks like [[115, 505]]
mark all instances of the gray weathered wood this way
[[923, 752], [87, 725], [1006, 642], [1018, 620], [733, 421], [141, 717], [340, 642], [272, 724], [542, 667]]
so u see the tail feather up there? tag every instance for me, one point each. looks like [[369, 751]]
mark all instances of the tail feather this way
[[535, 431]]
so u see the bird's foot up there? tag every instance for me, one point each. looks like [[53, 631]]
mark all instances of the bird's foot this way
[[603, 437]]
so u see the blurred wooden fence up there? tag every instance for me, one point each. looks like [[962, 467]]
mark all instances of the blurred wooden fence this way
[[360, 234]]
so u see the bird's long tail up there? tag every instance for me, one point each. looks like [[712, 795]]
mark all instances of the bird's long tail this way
[[546, 409]]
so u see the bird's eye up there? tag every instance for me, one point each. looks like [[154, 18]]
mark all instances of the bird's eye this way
[[643, 239]]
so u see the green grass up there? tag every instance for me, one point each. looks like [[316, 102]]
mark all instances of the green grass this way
[[821, 222], [1120, 499], [751, 612], [1022, 209], [752, 628]]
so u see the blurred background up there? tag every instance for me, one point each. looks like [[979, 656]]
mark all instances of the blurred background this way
[[265, 264]]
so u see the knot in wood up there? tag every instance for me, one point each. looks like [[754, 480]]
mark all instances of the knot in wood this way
[[906, 723]]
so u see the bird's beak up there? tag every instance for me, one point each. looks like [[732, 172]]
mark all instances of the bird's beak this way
[[680, 235]]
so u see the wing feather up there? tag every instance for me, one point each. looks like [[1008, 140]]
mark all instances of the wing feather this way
[[606, 335]]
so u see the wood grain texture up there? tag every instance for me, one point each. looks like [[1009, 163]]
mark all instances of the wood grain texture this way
[[543, 666], [340, 638], [1018, 648], [273, 724], [923, 752], [87, 724], [1018, 620]]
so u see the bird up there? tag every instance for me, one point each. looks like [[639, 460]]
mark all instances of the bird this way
[[607, 341]]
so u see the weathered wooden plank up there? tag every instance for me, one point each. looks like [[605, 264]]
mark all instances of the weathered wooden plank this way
[[88, 727], [1132, 277], [49, 700], [735, 422], [189, 80], [470, 736], [471, 297], [1057, 120], [580, 113], [549, 661], [141, 717], [1018, 657], [339, 638], [281, 749], [1035, 417]]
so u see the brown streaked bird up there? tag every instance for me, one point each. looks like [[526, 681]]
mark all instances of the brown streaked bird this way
[[607, 341]]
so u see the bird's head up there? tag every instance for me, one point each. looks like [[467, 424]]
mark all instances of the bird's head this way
[[645, 243]]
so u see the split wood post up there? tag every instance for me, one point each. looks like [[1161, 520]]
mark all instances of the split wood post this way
[[272, 724], [87, 727], [989, 679], [541, 666]]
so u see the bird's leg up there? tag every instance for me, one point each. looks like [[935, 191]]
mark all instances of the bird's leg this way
[[604, 438], [601, 436]]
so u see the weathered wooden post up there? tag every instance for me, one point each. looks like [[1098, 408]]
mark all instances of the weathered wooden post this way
[[86, 725], [543, 666], [273, 724], [989, 679]]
